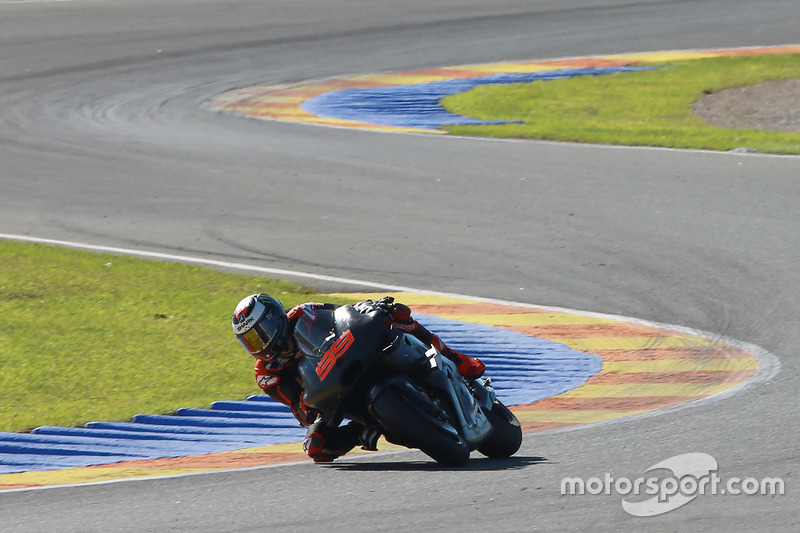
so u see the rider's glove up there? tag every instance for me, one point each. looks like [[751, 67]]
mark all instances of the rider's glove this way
[[365, 306], [385, 303]]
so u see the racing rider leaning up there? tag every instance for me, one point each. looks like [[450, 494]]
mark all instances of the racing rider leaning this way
[[267, 333]]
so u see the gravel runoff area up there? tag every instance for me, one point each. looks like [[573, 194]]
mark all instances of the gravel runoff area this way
[[772, 105]]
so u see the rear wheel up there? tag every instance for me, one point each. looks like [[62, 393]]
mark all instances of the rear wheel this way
[[410, 418], [506, 436]]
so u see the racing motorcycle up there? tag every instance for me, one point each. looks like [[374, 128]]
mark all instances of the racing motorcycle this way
[[354, 366]]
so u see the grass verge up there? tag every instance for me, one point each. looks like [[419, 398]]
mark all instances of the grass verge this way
[[645, 108], [87, 336]]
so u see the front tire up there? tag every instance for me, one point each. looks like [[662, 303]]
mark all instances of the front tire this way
[[506, 436], [406, 420]]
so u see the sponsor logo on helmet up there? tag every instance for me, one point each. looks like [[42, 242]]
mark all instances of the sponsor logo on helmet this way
[[244, 325], [246, 314]]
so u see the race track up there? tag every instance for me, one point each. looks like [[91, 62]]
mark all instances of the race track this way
[[104, 139]]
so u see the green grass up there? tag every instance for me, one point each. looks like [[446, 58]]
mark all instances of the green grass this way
[[646, 108], [87, 336]]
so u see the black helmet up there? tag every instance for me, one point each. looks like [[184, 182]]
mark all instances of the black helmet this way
[[260, 324]]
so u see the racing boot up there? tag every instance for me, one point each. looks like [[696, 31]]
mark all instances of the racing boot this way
[[468, 367], [324, 443]]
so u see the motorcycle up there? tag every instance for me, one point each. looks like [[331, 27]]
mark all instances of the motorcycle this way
[[354, 366]]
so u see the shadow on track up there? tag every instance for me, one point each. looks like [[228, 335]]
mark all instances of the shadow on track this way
[[476, 464]]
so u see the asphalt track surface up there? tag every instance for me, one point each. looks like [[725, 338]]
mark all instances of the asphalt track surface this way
[[103, 139]]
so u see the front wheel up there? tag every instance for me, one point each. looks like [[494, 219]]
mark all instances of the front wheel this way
[[405, 417], [506, 436]]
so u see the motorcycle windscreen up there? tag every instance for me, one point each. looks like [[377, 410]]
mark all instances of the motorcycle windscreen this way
[[315, 334], [356, 342]]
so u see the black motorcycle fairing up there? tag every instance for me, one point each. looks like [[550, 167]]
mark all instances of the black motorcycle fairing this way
[[338, 347], [408, 355]]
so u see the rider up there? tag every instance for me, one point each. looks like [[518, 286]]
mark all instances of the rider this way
[[267, 332]]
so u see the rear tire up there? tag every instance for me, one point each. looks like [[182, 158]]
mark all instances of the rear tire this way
[[506, 436], [406, 420]]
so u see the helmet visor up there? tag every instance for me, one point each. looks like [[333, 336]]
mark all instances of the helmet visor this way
[[253, 342], [265, 338]]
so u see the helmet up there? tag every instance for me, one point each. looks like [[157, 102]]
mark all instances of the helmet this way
[[260, 324]]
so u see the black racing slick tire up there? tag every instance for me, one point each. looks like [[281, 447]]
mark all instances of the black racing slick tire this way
[[506, 436], [406, 419]]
